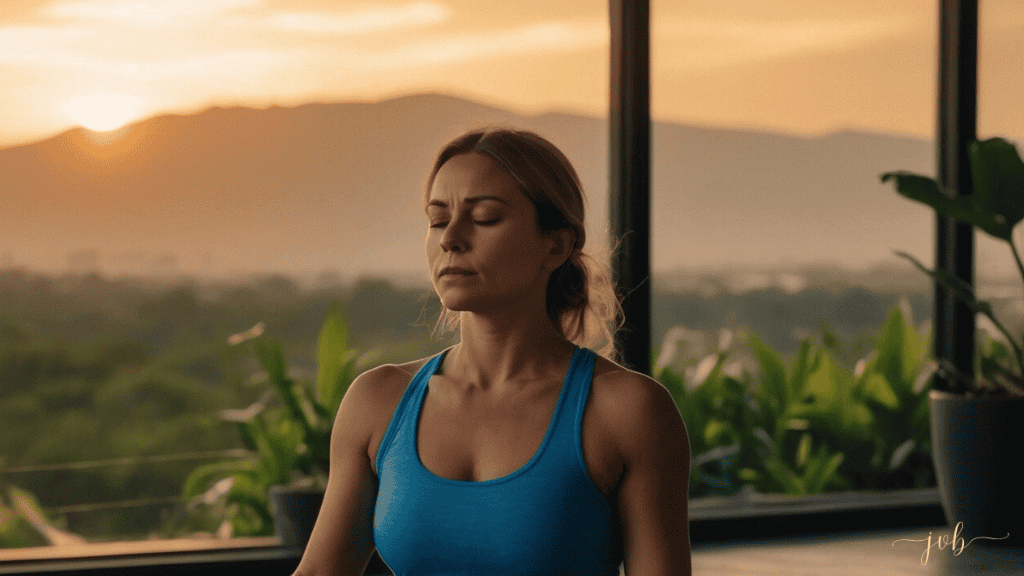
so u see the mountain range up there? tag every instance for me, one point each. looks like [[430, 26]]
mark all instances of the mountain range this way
[[338, 187]]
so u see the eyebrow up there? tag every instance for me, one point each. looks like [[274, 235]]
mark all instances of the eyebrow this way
[[470, 200]]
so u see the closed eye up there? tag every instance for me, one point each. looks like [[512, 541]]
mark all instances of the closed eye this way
[[477, 222]]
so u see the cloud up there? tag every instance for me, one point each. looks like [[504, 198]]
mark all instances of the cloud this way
[[166, 36], [234, 63], [539, 38], [34, 45], [703, 43], [361, 21], [282, 39], [151, 14], [85, 49], [144, 13]]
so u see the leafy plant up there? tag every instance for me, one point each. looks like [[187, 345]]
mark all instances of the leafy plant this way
[[996, 207], [23, 522], [288, 431], [811, 423]]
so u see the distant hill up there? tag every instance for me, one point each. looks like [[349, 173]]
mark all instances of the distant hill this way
[[339, 186]]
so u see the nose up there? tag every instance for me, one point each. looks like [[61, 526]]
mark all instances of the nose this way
[[454, 237]]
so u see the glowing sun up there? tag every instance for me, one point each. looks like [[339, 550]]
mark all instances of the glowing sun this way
[[103, 112]]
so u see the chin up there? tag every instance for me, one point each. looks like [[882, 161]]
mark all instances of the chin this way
[[458, 300], [457, 304]]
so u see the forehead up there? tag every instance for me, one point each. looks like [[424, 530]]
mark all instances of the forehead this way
[[470, 175]]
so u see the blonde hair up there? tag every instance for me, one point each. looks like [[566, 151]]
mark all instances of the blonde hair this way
[[581, 300]]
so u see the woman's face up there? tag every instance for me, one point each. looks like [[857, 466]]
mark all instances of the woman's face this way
[[484, 246]]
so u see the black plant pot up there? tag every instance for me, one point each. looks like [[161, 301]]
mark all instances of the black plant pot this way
[[976, 448], [295, 511]]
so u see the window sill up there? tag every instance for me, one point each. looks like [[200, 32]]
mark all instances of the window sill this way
[[771, 515], [711, 520], [153, 557]]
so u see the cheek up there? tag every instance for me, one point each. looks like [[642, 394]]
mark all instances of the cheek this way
[[523, 255]]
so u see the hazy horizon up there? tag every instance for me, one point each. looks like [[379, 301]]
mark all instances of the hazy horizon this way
[[803, 73], [237, 190], [802, 67]]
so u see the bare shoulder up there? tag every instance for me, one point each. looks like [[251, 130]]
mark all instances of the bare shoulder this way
[[631, 393], [634, 407], [378, 385], [371, 401], [644, 426]]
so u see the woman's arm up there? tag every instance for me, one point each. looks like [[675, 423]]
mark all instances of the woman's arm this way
[[342, 539], [653, 492]]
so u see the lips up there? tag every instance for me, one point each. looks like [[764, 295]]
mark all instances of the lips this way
[[455, 271]]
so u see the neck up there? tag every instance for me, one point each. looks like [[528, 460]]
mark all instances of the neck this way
[[496, 352]]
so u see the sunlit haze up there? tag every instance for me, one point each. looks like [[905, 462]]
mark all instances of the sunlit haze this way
[[796, 70], [801, 66], [103, 112]]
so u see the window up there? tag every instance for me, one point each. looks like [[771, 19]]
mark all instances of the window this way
[[176, 174], [120, 286], [768, 214], [999, 95]]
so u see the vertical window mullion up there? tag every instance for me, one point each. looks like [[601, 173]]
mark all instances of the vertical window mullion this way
[[954, 246], [629, 176]]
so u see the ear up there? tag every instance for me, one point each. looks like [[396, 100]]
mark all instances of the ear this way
[[562, 243]]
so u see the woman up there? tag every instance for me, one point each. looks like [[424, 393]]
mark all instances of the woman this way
[[518, 450]]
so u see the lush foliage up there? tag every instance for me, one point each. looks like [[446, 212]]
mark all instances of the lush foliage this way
[[112, 410], [996, 206], [805, 425], [811, 425], [112, 390], [287, 430]]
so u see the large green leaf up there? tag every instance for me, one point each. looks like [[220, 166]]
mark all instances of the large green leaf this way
[[334, 361], [821, 469], [773, 374], [998, 176], [967, 209], [877, 389], [899, 352], [804, 365], [252, 517], [271, 356], [822, 386], [205, 476], [832, 404]]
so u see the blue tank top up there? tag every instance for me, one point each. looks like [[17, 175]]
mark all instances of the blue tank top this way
[[546, 518]]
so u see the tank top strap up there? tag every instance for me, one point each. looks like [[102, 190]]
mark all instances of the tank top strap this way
[[569, 420], [579, 385], [408, 406]]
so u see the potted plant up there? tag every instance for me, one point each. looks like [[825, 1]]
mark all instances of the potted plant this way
[[280, 488], [978, 425]]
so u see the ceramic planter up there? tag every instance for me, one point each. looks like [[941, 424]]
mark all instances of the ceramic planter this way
[[976, 448], [295, 511]]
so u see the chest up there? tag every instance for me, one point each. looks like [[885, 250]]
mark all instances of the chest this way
[[476, 437]]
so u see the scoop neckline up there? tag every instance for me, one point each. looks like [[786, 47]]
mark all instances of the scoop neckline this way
[[422, 393]]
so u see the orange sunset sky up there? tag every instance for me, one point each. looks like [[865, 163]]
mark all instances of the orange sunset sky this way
[[796, 66]]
